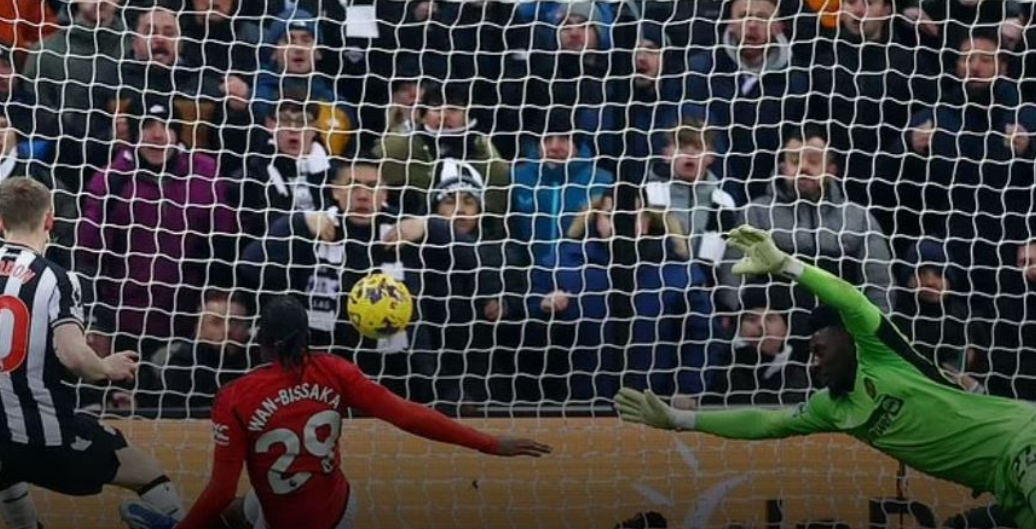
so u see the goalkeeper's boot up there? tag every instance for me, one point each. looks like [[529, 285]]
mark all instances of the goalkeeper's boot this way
[[139, 515]]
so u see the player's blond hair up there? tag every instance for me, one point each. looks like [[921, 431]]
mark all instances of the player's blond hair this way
[[24, 204]]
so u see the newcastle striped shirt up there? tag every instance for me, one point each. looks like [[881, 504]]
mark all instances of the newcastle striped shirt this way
[[36, 296]]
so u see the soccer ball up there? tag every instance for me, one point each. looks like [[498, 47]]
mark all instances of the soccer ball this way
[[380, 306]]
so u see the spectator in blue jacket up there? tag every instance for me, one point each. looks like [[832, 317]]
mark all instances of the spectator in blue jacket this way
[[746, 88], [971, 159], [292, 66], [553, 188], [672, 309]]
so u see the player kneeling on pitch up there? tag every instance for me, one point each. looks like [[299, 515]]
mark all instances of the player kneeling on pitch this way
[[283, 420], [880, 391], [43, 440]]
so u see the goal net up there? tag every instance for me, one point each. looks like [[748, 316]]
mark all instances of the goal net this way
[[552, 180]]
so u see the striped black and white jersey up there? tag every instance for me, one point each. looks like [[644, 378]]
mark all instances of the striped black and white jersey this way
[[36, 296]]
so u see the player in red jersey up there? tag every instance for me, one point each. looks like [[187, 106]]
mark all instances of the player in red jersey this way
[[283, 420]]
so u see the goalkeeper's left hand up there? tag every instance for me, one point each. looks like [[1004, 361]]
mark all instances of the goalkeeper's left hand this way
[[762, 256], [647, 408]]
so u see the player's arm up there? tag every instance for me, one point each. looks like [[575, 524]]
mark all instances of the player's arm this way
[[78, 357], [763, 257], [228, 458], [375, 400], [70, 342], [746, 424]]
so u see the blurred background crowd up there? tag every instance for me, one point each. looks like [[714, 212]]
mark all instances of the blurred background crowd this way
[[552, 180]]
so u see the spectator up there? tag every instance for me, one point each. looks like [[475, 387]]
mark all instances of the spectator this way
[[23, 23], [20, 125], [184, 376], [1012, 327], [670, 326], [294, 171], [553, 188], [747, 89], [869, 85], [157, 66], [972, 159], [936, 318], [464, 288], [446, 131], [156, 226], [451, 39], [687, 186], [225, 48], [765, 368], [652, 101], [217, 38], [408, 90], [809, 215], [946, 24], [293, 68], [18, 120], [320, 255], [73, 72], [566, 66]]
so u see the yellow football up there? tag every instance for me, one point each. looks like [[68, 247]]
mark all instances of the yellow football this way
[[380, 305]]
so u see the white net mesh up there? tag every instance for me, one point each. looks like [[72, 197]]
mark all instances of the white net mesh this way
[[575, 165]]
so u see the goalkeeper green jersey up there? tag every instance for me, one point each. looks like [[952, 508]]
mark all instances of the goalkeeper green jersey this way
[[901, 405]]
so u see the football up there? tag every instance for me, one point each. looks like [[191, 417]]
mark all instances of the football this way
[[380, 306]]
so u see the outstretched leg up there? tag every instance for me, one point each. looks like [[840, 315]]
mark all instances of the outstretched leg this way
[[142, 474]]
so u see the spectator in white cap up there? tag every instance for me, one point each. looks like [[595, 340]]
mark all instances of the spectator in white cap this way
[[460, 282]]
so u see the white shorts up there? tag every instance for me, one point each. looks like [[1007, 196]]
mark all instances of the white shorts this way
[[254, 512]]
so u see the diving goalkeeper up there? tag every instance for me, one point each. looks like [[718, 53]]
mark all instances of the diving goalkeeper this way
[[880, 391]]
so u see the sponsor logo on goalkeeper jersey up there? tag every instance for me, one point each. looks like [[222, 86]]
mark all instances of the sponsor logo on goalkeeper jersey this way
[[286, 397], [884, 416]]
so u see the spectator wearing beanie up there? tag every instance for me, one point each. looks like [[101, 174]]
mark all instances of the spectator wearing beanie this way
[[290, 54], [156, 225], [568, 62], [462, 288]]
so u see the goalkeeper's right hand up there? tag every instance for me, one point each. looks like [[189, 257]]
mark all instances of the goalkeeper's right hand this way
[[762, 256], [647, 408]]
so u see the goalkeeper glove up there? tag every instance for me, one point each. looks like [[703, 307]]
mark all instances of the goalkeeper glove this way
[[761, 254], [647, 408]]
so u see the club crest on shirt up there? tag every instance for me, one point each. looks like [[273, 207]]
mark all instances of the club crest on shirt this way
[[883, 416]]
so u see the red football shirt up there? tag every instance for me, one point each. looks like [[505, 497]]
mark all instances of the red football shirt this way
[[285, 425]]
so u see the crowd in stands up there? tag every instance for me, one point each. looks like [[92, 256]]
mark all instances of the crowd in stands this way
[[208, 153]]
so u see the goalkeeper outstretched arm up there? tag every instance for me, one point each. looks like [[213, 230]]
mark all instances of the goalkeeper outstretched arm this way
[[762, 256], [861, 318]]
